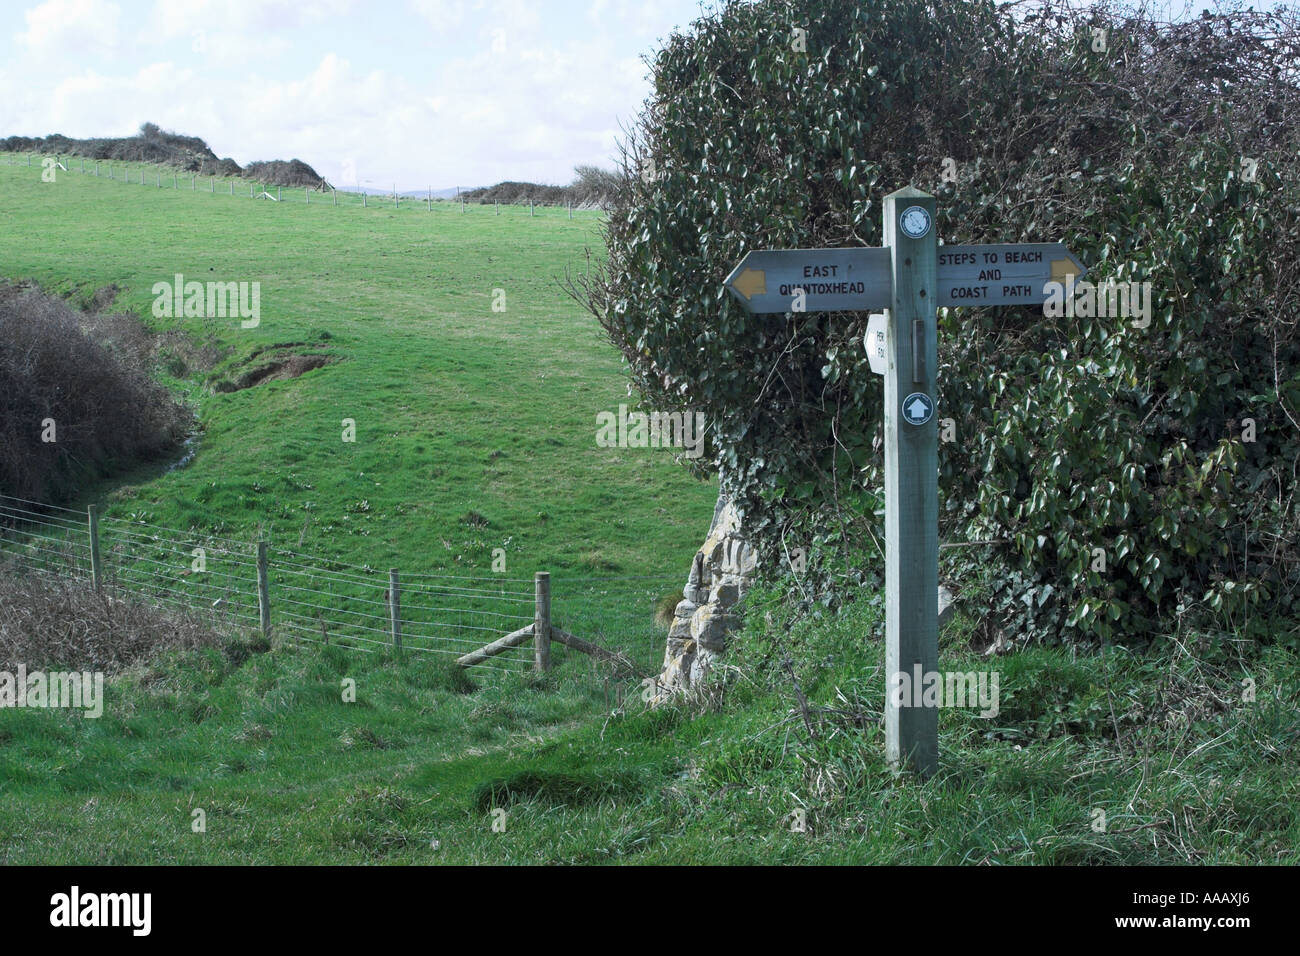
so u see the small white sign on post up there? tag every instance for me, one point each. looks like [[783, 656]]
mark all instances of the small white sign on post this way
[[874, 343]]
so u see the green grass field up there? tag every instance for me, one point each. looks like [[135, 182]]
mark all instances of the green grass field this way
[[463, 410], [459, 409]]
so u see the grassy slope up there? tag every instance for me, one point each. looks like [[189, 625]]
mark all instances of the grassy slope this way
[[458, 408], [286, 771]]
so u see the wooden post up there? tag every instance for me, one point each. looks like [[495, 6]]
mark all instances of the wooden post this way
[[278, 194], [570, 210], [232, 187], [428, 202], [911, 482], [306, 191], [395, 608], [592, 650], [335, 194], [542, 621], [363, 199], [496, 204], [530, 207], [263, 590], [96, 566], [513, 639]]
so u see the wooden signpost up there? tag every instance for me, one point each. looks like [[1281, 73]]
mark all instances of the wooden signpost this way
[[910, 277]]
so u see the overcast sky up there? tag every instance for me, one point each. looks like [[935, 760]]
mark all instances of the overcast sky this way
[[417, 92], [421, 92]]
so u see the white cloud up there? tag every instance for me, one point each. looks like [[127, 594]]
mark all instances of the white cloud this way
[[184, 17], [70, 27], [443, 15], [348, 95]]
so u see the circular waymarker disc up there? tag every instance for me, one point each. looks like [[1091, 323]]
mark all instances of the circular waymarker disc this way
[[918, 408], [915, 221]]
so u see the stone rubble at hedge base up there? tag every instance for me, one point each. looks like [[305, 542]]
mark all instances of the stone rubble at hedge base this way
[[721, 573]]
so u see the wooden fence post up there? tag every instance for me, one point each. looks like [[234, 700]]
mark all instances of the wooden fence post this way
[[96, 567], [306, 191], [542, 621], [263, 591], [395, 608]]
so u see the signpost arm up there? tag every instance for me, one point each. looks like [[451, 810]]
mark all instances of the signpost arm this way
[[911, 490]]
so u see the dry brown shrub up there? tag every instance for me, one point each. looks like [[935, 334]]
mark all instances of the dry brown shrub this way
[[48, 622]]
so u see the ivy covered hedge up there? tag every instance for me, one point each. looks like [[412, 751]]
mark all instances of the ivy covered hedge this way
[[1126, 474]]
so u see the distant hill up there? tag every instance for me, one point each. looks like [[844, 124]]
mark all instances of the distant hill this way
[[155, 145], [590, 187], [277, 172]]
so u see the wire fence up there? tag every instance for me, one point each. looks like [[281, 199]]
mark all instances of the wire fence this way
[[318, 600], [168, 177]]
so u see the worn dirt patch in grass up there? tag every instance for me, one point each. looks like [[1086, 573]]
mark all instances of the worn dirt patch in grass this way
[[277, 368]]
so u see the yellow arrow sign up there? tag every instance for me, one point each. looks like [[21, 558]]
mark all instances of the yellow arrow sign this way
[[1063, 269], [751, 282]]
